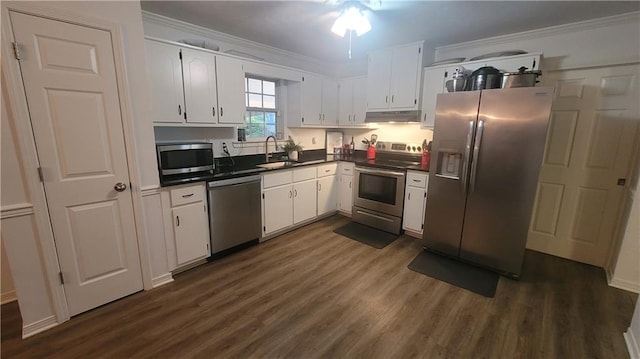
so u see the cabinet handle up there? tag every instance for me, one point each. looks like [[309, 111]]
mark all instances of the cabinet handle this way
[[327, 170], [187, 195], [354, 118], [290, 194], [319, 117], [349, 118], [179, 110], [392, 97], [214, 111], [319, 187], [409, 197], [417, 181], [349, 184], [177, 221], [323, 117], [221, 111], [386, 99], [295, 193]]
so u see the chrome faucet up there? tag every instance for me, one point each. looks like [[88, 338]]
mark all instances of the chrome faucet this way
[[266, 147]]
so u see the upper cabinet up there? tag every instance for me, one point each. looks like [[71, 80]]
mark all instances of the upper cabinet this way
[[394, 78], [312, 101], [187, 86], [435, 78], [352, 101]]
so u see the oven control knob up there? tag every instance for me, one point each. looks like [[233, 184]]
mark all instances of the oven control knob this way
[[408, 148], [414, 148], [419, 149]]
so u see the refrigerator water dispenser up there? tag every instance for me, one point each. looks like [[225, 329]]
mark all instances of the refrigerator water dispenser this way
[[449, 164]]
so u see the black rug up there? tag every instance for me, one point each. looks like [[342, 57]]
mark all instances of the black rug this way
[[463, 275], [367, 235]]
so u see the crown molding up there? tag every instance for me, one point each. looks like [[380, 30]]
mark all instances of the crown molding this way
[[238, 41], [552, 30]]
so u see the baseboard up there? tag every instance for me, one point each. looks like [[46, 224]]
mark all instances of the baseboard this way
[[161, 280], [624, 284], [413, 234], [8, 297], [39, 326], [632, 344]]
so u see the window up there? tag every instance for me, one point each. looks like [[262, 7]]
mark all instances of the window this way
[[260, 100]]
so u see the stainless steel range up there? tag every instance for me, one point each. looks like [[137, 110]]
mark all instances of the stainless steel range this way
[[379, 185]]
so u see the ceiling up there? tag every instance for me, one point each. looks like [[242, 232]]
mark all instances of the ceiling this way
[[304, 27]]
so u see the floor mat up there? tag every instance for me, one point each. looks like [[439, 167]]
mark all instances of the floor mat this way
[[463, 275], [367, 235]]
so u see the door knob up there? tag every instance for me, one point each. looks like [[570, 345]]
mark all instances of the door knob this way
[[120, 187]]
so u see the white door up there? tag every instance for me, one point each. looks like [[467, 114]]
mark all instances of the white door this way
[[304, 201], [231, 103], [190, 226], [327, 194], [329, 102], [359, 100], [414, 204], [165, 74], [593, 132], [277, 206], [346, 193], [345, 102], [405, 75], [70, 81], [312, 100], [200, 96], [433, 84], [378, 80]]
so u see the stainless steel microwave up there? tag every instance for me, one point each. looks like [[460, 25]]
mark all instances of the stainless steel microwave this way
[[184, 162]]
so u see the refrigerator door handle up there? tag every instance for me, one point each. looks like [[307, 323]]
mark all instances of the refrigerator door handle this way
[[476, 152], [467, 153]]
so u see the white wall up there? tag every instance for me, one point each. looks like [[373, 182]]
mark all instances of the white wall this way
[[632, 336]]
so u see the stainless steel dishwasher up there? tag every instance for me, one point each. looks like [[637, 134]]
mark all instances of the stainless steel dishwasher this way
[[234, 212]]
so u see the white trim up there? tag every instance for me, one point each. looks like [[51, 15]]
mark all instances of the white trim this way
[[624, 284], [8, 297], [162, 280], [16, 210], [150, 190], [234, 40], [39, 326], [632, 345], [552, 30]]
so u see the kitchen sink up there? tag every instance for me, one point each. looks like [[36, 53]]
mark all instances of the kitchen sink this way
[[272, 165]]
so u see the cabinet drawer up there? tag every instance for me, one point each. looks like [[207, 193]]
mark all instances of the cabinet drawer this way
[[347, 168], [417, 179], [303, 174], [188, 194], [327, 170], [276, 179]]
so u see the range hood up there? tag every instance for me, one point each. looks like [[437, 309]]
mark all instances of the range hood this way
[[393, 116]]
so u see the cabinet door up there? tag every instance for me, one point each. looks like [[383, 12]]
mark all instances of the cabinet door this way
[[345, 102], [311, 100], [378, 80], [165, 73], [405, 76], [346, 193], [191, 229], [414, 202], [512, 65], [230, 81], [359, 100], [434, 80], [277, 208], [327, 194], [329, 102], [199, 73], [304, 201]]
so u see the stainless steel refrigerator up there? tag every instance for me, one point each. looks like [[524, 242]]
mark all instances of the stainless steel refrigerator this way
[[486, 156]]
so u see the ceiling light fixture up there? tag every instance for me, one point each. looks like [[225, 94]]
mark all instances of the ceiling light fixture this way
[[351, 19]]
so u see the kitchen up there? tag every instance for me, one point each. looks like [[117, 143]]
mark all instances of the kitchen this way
[[554, 52]]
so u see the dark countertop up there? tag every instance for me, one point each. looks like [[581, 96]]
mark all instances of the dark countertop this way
[[247, 166]]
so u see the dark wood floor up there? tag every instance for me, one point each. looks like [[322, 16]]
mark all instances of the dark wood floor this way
[[312, 293]]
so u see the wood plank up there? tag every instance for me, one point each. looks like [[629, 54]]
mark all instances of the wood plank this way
[[311, 293]]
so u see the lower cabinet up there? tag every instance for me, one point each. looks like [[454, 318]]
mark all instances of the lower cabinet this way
[[277, 208], [345, 187], [415, 199], [186, 224], [304, 201], [327, 194]]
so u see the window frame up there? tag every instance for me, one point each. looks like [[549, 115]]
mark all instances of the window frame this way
[[264, 110]]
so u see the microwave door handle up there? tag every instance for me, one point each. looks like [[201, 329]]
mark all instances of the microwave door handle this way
[[467, 153], [476, 152]]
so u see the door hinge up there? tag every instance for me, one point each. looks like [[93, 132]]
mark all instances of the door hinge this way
[[180, 54], [207, 247], [419, 49], [41, 174], [422, 226], [61, 278], [425, 195], [263, 196], [415, 101], [16, 50], [185, 114]]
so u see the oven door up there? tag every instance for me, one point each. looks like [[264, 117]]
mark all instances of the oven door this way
[[379, 190], [185, 158]]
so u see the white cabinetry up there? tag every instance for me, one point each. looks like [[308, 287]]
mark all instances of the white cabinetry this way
[[352, 101], [304, 194], [415, 201], [185, 83], [435, 77], [327, 188], [186, 224], [277, 201], [312, 102], [394, 78], [345, 187]]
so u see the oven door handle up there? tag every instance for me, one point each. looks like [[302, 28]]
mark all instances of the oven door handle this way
[[380, 172]]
